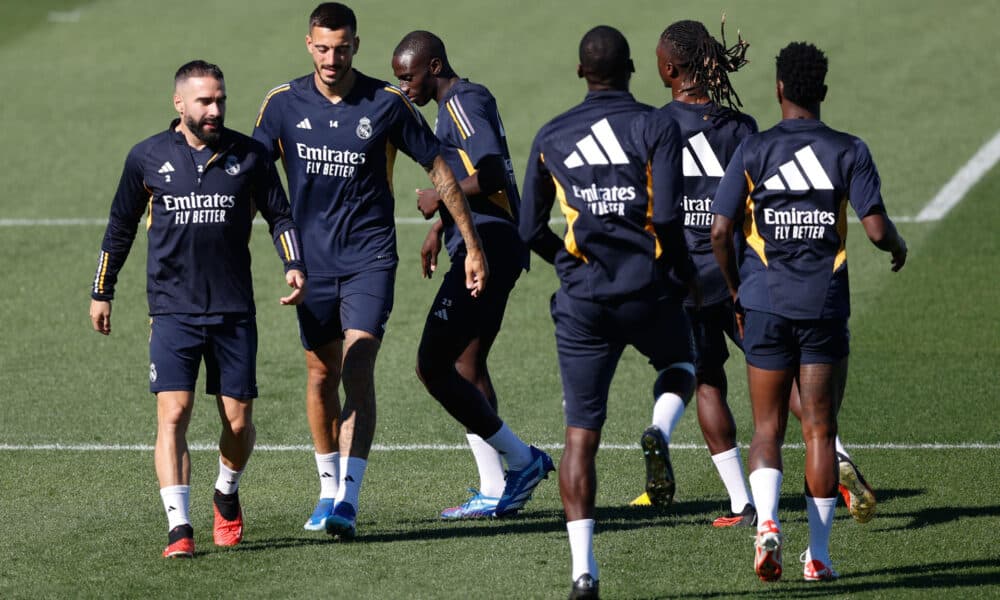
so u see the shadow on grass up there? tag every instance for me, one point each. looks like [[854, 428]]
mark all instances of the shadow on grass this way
[[943, 575]]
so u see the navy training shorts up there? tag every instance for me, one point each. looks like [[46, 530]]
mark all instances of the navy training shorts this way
[[710, 326], [775, 343], [333, 305], [590, 339], [455, 317], [228, 345]]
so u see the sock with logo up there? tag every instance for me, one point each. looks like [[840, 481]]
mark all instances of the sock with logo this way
[[352, 471], [765, 484], [176, 500], [228, 480], [581, 547], [820, 514], [328, 467], [730, 467], [489, 464], [506, 442]]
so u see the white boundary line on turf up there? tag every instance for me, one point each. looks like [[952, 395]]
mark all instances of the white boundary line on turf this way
[[959, 185], [198, 447], [947, 198]]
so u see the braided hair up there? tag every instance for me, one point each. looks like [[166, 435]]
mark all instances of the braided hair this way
[[708, 61], [802, 68]]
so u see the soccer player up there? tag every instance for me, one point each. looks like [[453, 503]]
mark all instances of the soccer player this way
[[460, 330], [336, 132], [614, 166], [696, 66], [788, 188], [202, 184]]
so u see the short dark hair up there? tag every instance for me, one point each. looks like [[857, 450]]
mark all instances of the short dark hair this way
[[198, 68], [425, 44], [605, 56], [333, 15], [802, 68]]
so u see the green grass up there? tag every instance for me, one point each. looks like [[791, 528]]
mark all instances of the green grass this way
[[77, 95]]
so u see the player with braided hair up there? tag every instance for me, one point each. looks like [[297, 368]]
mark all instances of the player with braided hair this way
[[787, 189], [696, 66]]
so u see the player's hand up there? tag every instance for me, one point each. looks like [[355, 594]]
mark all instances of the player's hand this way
[[476, 272], [429, 252], [899, 255], [428, 202], [296, 280], [100, 316]]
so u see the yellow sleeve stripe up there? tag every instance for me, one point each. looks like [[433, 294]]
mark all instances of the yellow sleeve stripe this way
[[750, 224], [571, 215], [841, 257], [267, 98], [149, 208], [458, 124], [102, 271], [658, 249], [406, 100]]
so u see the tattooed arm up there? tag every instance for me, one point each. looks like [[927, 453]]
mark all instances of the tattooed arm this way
[[476, 269]]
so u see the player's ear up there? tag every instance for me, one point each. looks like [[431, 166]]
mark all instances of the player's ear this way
[[357, 44], [309, 42], [779, 91], [178, 104], [435, 66], [579, 71]]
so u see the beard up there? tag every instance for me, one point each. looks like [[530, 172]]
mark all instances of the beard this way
[[199, 131]]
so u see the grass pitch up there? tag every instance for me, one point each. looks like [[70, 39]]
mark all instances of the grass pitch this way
[[84, 81]]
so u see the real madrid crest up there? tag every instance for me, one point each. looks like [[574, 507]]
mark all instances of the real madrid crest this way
[[232, 165], [364, 129]]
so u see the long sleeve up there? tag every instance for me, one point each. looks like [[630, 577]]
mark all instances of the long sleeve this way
[[130, 201], [273, 206]]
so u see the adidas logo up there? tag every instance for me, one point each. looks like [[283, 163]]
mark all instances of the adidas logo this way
[[166, 168], [791, 174], [349, 478], [171, 508], [710, 165], [601, 148], [325, 475], [304, 124], [441, 314]]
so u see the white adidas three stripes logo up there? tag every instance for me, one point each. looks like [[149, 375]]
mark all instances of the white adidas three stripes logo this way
[[705, 155], [791, 173], [601, 148]]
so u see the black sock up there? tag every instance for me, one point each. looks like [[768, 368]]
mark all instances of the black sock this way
[[228, 504], [179, 533]]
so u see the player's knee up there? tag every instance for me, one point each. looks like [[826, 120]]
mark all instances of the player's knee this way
[[430, 368], [678, 378]]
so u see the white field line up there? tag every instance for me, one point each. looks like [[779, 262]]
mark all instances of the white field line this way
[[946, 199], [200, 447], [960, 184]]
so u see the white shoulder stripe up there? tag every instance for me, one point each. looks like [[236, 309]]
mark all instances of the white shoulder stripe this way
[[460, 111]]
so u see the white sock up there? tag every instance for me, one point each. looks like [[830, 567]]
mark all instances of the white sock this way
[[506, 442], [581, 547], [328, 468], [352, 471], [175, 502], [820, 512], [489, 464], [766, 487], [730, 467], [228, 480], [667, 412], [840, 447]]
